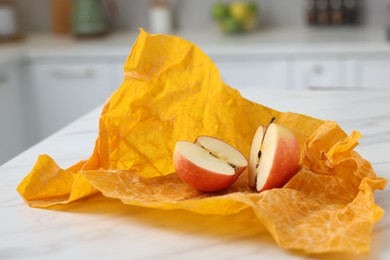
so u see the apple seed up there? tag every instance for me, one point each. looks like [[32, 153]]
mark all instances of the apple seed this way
[[259, 153], [235, 168]]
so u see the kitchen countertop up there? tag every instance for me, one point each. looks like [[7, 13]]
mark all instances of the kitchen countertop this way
[[103, 228], [265, 41]]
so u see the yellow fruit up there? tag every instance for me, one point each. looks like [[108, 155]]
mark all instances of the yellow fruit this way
[[239, 10]]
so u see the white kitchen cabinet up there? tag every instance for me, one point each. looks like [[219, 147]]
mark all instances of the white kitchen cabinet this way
[[249, 76], [368, 72], [62, 91], [292, 73], [309, 71], [12, 128], [315, 72], [258, 72]]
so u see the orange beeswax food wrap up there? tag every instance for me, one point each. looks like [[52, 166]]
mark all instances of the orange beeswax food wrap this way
[[172, 91]]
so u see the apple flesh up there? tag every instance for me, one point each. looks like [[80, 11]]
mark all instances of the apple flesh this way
[[208, 164], [274, 157], [255, 154]]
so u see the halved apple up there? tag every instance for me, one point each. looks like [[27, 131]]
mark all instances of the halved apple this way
[[274, 157], [209, 164]]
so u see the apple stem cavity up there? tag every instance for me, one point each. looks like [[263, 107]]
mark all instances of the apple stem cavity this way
[[265, 132]]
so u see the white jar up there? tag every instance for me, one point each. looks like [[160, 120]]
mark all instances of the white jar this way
[[160, 18]]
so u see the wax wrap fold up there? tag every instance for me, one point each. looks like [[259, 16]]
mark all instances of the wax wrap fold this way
[[172, 91]]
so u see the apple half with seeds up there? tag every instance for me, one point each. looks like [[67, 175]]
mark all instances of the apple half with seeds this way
[[208, 164], [274, 157]]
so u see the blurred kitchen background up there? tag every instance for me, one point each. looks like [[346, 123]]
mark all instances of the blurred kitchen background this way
[[61, 58], [37, 15]]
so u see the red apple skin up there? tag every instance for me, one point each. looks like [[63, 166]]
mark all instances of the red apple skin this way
[[202, 179], [286, 160]]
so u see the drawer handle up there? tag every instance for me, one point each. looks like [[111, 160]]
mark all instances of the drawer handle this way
[[72, 72], [318, 69]]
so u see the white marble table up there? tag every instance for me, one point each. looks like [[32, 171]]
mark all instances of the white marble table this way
[[85, 230]]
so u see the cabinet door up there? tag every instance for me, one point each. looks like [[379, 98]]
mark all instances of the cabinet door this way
[[368, 72], [316, 73], [251, 76], [12, 138], [61, 92]]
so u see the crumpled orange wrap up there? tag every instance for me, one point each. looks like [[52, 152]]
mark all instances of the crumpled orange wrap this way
[[172, 91]]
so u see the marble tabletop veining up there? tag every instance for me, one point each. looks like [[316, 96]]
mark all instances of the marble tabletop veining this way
[[101, 228]]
